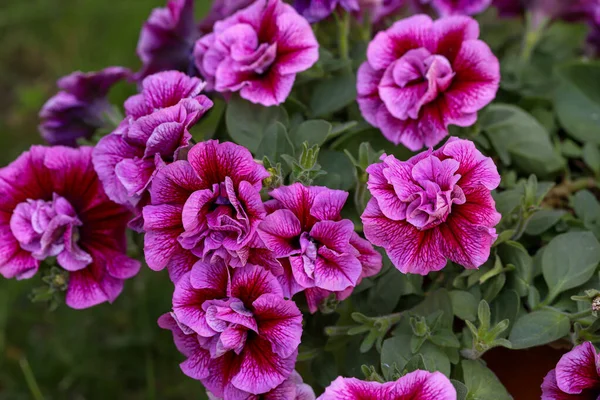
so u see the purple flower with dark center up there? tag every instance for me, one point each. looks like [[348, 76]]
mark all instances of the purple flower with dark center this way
[[156, 127], [257, 52], [417, 385], [422, 75], [576, 376], [305, 231], [53, 205], [239, 334], [167, 39], [433, 207], [81, 107], [205, 208]]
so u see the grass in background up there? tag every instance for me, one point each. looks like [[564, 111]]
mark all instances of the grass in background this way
[[109, 351]]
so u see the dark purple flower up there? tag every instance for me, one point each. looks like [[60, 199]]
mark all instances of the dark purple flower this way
[[80, 108], [220, 10], [156, 127], [53, 205], [239, 334], [316, 10], [167, 39], [257, 52], [577, 376], [460, 7]]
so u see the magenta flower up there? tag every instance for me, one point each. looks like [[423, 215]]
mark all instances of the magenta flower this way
[[203, 208], [293, 388], [433, 207], [79, 109], [577, 376], [421, 385], [460, 7], [371, 262], [53, 205], [156, 127], [240, 336], [314, 245], [167, 39], [421, 76], [258, 51]]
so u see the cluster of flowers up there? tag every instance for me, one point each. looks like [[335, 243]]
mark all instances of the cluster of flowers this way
[[235, 259]]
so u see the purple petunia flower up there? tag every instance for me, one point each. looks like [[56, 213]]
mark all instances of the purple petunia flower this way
[[293, 388], [433, 207], [460, 7], [79, 109], [205, 208], [167, 39], [156, 127], [316, 248], [257, 51], [421, 76], [53, 205], [317, 10], [239, 334], [222, 9], [577, 375], [421, 385]]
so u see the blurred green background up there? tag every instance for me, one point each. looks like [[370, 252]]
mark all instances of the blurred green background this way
[[110, 351]]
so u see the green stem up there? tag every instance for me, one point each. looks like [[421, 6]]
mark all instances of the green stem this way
[[343, 25], [581, 314], [30, 379], [533, 35], [338, 330]]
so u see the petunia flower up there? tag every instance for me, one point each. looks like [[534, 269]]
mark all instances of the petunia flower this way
[[53, 205], [257, 52], [434, 207], [312, 242], [167, 39], [220, 10], [80, 108], [460, 7], [421, 76], [293, 388], [204, 208], [421, 385], [317, 10], [239, 334], [576, 375], [155, 129]]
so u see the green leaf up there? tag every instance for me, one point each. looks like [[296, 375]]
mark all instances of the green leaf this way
[[339, 168], [435, 302], [587, 209], [591, 156], [445, 338], [543, 220], [464, 305], [577, 100], [415, 363], [514, 253], [506, 306], [312, 131], [274, 143], [538, 328], [247, 123], [482, 383], [461, 389], [520, 139], [570, 260], [332, 94]]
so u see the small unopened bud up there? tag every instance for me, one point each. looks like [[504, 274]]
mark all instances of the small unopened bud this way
[[596, 304]]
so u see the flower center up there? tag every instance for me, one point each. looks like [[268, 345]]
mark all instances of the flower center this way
[[228, 322], [50, 229], [434, 192], [425, 74], [308, 247]]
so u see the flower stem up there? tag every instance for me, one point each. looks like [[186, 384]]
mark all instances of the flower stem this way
[[343, 25], [30, 379]]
